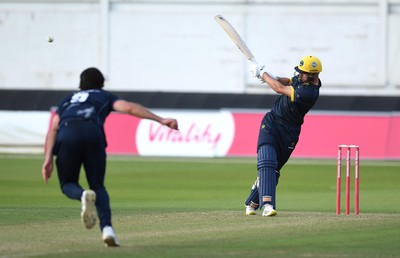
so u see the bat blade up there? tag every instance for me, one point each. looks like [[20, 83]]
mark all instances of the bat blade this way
[[235, 37]]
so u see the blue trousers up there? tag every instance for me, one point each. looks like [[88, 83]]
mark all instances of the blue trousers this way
[[276, 142], [83, 143]]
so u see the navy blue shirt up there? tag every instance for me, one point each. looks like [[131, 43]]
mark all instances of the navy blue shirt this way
[[293, 109], [89, 105], [282, 125]]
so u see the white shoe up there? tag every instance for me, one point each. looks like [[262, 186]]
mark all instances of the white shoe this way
[[269, 211], [109, 237], [250, 210], [89, 214]]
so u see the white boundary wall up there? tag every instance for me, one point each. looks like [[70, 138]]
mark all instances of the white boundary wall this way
[[23, 132], [176, 45]]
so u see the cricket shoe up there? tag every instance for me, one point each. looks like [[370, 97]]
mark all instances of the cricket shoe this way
[[269, 211], [250, 210], [109, 237], [89, 214]]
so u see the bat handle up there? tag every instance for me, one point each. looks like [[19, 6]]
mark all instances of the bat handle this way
[[254, 61]]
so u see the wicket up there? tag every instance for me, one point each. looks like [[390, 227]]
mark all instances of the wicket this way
[[356, 179]]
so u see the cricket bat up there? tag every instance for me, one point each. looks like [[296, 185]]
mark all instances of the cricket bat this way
[[235, 37]]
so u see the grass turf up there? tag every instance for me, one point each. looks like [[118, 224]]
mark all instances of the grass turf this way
[[170, 207]]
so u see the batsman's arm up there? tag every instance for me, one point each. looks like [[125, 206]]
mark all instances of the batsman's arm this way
[[281, 85], [285, 81]]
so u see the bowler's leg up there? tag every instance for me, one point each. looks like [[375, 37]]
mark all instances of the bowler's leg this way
[[95, 166], [68, 164]]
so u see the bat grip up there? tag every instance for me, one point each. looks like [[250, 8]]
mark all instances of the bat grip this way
[[254, 61]]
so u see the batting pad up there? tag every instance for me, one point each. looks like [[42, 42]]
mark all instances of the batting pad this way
[[267, 164]]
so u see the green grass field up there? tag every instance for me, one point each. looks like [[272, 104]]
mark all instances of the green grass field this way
[[171, 207]]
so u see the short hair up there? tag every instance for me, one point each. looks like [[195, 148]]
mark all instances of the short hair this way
[[91, 78]]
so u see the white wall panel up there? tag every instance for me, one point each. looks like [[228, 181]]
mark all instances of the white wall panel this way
[[177, 46], [185, 52], [30, 62]]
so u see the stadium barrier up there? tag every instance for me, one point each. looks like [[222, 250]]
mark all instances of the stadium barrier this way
[[233, 133], [217, 133]]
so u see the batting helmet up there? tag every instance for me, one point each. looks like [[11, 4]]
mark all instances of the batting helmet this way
[[309, 64]]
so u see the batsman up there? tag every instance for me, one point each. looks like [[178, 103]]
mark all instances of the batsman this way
[[280, 128]]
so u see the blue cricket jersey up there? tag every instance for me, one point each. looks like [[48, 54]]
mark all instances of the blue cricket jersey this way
[[82, 116], [282, 125], [293, 109], [89, 105]]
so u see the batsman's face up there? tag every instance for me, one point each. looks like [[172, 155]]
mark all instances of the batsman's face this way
[[304, 77], [308, 78]]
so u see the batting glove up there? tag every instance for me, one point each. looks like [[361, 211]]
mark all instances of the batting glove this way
[[257, 70]]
